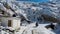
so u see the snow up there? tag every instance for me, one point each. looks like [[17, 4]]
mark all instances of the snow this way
[[40, 29], [32, 13], [2, 7], [10, 12]]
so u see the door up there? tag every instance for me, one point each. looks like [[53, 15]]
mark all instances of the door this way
[[9, 23]]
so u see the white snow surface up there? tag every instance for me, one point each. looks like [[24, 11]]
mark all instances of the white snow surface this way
[[36, 30]]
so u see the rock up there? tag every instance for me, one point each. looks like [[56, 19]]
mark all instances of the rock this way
[[49, 18]]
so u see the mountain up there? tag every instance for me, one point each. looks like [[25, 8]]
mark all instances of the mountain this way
[[32, 11]]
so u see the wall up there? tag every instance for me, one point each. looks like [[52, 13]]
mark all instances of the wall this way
[[16, 23], [4, 22]]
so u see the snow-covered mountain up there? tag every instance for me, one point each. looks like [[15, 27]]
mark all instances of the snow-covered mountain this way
[[31, 10]]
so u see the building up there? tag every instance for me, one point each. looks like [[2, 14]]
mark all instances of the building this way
[[13, 22]]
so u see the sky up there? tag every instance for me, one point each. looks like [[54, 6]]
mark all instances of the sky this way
[[34, 0]]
